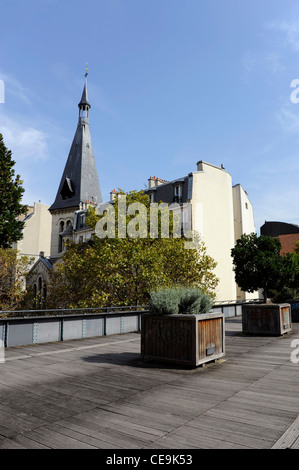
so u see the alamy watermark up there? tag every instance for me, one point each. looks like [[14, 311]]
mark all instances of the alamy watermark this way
[[295, 353], [294, 95], [160, 221], [2, 92]]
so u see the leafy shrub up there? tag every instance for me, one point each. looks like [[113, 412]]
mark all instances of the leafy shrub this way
[[174, 300], [164, 301]]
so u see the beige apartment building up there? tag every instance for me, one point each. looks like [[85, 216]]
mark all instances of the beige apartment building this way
[[220, 213], [36, 232]]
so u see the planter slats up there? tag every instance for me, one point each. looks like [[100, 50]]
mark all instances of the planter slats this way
[[183, 339]]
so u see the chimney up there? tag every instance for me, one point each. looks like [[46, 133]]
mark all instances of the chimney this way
[[200, 165], [113, 195], [154, 181]]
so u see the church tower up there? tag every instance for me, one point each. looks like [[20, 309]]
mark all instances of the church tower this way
[[79, 185]]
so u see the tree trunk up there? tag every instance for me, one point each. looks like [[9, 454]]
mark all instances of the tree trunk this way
[[265, 295]]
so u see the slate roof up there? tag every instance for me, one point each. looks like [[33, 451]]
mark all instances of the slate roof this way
[[79, 182], [84, 98]]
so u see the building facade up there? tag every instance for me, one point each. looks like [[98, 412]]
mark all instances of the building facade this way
[[220, 214], [287, 233], [36, 232]]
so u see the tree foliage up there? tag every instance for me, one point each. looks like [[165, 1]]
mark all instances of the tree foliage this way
[[12, 274], [258, 264], [114, 271], [289, 287], [11, 192]]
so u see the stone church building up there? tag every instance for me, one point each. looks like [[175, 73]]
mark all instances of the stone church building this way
[[79, 188]]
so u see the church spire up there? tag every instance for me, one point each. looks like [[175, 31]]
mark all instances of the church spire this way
[[84, 105], [79, 183]]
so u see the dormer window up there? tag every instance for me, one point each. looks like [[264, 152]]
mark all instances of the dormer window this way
[[177, 193], [81, 221], [67, 191]]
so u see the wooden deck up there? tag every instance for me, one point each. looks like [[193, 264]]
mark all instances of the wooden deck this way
[[97, 394]]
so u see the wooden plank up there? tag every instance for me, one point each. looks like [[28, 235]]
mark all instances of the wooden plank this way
[[103, 396], [110, 434], [290, 437]]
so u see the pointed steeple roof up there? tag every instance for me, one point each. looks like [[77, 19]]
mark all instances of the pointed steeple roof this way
[[84, 98], [79, 182]]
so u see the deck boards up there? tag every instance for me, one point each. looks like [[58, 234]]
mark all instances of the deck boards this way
[[96, 393]]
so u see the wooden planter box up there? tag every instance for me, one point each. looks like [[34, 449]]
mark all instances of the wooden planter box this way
[[183, 339], [294, 310], [266, 319]]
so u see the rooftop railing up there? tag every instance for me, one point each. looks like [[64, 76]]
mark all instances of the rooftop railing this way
[[23, 327]]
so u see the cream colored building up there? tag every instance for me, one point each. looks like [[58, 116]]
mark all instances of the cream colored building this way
[[220, 214], [36, 232]]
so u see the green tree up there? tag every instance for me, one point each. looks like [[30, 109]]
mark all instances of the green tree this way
[[258, 264], [11, 192], [113, 271], [13, 270], [289, 285]]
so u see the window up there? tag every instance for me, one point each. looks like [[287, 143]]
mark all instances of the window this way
[[39, 293], [177, 194], [67, 191], [44, 291], [81, 221], [190, 186], [60, 236]]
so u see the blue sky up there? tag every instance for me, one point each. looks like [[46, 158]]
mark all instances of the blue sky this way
[[170, 82]]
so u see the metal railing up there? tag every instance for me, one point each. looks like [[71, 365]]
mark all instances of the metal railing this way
[[23, 327], [232, 308]]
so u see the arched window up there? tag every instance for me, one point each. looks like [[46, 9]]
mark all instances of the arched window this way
[[44, 291], [60, 237], [39, 292]]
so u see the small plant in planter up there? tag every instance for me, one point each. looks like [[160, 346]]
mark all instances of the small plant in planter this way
[[179, 327], [179, 300]]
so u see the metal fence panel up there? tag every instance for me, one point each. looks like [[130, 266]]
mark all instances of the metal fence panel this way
[[19, 333], [72, 328], [130, 324], [93, 327], [113, 325], [47, 331], [229, 311]]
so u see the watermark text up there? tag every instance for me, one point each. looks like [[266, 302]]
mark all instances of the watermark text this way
[[295, 353], [136, 221]]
